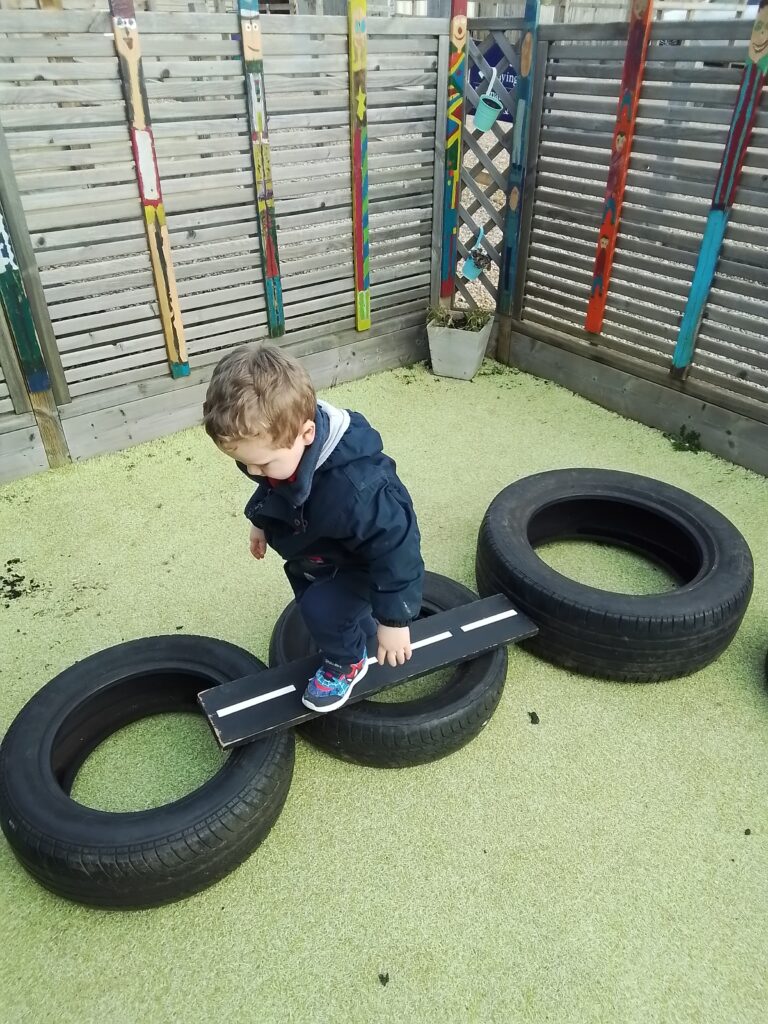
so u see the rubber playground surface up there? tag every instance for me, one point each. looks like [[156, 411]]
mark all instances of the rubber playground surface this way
[[598, 854]]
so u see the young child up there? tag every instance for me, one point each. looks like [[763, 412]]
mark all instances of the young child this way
[[330, 503]]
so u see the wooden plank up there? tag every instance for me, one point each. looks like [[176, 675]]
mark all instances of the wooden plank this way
[[128, 49], [662, 30], [96, 288], [68, 136], [639, 392], [250, 36], [53, 118], [266, 702], [663, 55], [439, 172], [59, 181], [744, 117], [187, 46], [14, 386], [21, 450], [56, 46], [186, 89], [66, 159], [15, 22], [51, 433], [11, 421], [358, 120], [457, 67], [17, 95], [220, 23], [98, 69], [641, 21], [423, 46]]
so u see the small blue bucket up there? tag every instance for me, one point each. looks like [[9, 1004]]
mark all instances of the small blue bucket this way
[[489, 107], [470, 270]]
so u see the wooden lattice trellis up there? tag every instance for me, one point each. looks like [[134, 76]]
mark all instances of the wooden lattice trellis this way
[[485, 165]]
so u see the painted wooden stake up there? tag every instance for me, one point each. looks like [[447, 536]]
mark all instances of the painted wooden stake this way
[[457, 70], [518, 158], [128, 50], [19, 314], [358, 120], [15, 304], [736, 146], [255, 91], [640, 24]]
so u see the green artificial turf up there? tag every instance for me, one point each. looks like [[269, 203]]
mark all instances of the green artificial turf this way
[[593, 867]]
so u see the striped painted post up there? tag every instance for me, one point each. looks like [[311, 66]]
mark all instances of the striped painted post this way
[[518, 158], [736, 146], [19, 314], [358, 120], [253, 63], [128, 50], [457, 70], [640, 24]]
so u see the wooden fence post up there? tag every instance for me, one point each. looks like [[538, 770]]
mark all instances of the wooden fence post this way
[[128, 49], [358, 121], [529, 187], [518, 158], [256, 97]]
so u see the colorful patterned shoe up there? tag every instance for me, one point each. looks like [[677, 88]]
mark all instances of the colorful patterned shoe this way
[[331, 686]]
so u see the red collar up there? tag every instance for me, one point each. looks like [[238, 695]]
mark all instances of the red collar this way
[[276, 483]]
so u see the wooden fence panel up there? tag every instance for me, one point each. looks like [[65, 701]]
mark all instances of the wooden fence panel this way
[[682, 125], [63, 109]]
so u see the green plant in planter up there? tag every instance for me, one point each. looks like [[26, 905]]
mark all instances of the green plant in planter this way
[[458, 339], [459, 319]]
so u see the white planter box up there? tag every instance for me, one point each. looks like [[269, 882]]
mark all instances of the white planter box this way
[[457, 353]]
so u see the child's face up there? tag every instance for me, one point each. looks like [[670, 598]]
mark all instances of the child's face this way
[[262, 458]]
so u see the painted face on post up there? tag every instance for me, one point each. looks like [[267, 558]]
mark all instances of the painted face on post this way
[[252, 40], [526, 55], [603, 241], [621, 138], [640, 7], [758, 43], [514, 198], [459, 31], [126, 36]]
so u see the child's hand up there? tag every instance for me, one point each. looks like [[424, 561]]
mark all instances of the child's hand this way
[[394, 645], [257, 542]]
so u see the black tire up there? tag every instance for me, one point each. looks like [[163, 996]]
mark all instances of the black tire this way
[[624, 637], [142, 858], [397, 735]]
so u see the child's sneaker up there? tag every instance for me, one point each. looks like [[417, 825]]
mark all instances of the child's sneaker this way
[[331, 686]]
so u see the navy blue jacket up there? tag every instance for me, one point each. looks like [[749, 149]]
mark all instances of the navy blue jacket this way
[[352, 512]]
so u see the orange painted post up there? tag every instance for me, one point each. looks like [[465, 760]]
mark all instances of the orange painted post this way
[[641, 20]]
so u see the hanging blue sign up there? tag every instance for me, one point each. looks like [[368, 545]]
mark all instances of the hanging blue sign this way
[[479, 82]]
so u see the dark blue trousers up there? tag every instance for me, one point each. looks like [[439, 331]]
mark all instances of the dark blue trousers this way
[[336, 609]]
